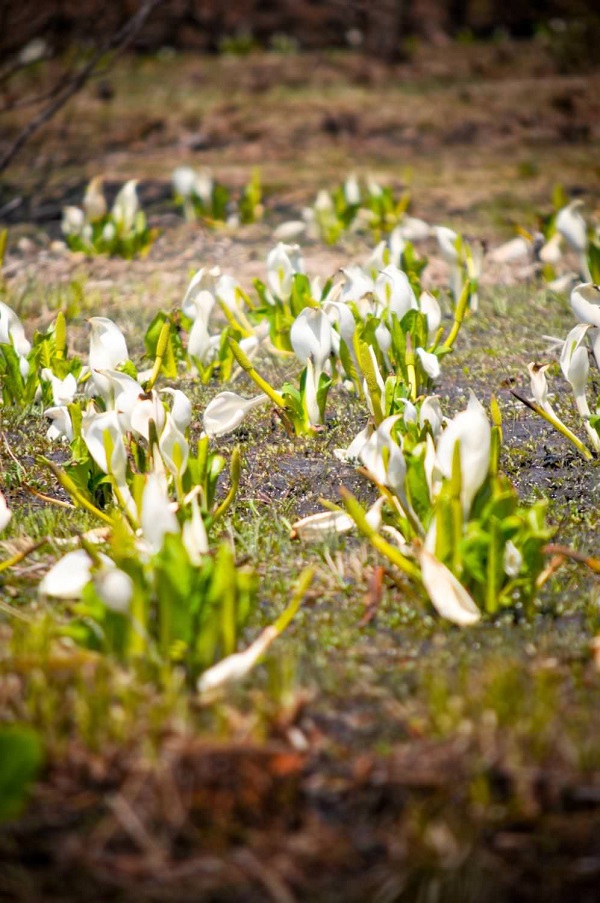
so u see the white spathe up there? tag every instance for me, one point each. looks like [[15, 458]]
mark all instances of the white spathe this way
[[585, 301], [472, 430], [157, 515], [448, 596], [126, 206], [227, 410], [5, 512], [311, 336], [71, 573]]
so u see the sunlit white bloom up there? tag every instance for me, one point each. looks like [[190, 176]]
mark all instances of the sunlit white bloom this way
[[430, 363], [60, 426], [73, 221], [513, 560], [572, 226], [472, 430], [394, 292], [115, 588], [174, 448], [5, 512], [311, 336], [70, 575], [539, 386], [376, 261], [448, 244], [120, 392], [513, 251], [448, 596], [340, 314], [194, 535], [126, 206], [94, 203], [107, 349], [574, 361], [283, 261], [201, 345], [585, 301], [181, 408], [330, 523], [183, 179], [550, 252], [428, 305], [413, 229], [147, 408], [199, 298], [108, 232], [157, 515], [237, 666], [228, 290], [352, 190], [289, 230], [204, 185], [102, 432], [12, 331], [356, 286], [227, 410], [383, 458], [352, 454], [431, 412], [396, 244]]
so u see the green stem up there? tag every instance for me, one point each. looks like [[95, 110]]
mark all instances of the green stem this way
[[247, 366], [459, 314]]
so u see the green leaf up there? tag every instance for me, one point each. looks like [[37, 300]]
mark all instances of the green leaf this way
[[21, 758]]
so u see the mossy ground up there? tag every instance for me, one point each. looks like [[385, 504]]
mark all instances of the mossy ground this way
[[378, 753]]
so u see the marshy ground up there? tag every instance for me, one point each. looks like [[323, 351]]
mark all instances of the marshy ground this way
[[379, 754]]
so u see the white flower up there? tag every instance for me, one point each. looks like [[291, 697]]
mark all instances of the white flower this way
[[429, 362], [126, 206], [311, 336], [585, 301], [12, 331], [107, 345], [94, 203], [448, 596], [513, 560], [157, 516], [174, 449], [61, 426], [194, 536], [283, 261], [181, 408], [383, 457], [429, 306], [472, 430], [539, 386], [115, 588], [238, 665], [199, 298], [63, 390], [5, 513], [103, 431], [73, 221], [183, 179], [352, 190], [394, 291], [227, 410], [430, 412], [71, 573]]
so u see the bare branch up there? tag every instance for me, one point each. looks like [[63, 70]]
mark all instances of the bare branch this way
[[115, 44]]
